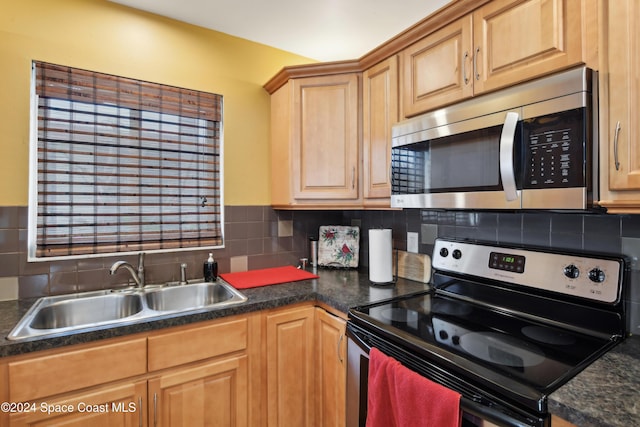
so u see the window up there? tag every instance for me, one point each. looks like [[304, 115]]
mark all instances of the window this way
[[121, 165]]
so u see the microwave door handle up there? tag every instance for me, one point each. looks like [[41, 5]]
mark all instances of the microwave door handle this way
[[507, 170]]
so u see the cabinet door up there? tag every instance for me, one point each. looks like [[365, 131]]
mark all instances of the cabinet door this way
[[325, 140], [290, 367], [121, 404], [437, 69], [624, 95], [211, 394], [517, 40], [379, 113], [331, 369], [559, 422]]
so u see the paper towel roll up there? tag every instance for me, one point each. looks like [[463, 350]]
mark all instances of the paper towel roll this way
[[380, 256]]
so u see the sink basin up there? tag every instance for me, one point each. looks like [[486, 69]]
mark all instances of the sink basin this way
[[191, 297], [84, 311], [65, 314]]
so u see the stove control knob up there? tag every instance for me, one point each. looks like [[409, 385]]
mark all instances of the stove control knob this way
[[444, 252], [596, 275], [457, 254], [571, 271], [443, 335], [455, 340]]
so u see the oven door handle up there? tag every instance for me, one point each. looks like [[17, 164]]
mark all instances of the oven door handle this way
[[507, 168]]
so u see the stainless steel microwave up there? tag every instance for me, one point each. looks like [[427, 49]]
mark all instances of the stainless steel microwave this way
[[531, 146]]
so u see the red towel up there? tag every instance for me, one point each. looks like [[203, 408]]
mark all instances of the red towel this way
[[400, 397], [266, 276]]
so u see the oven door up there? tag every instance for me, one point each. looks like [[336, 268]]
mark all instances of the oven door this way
[[475, 412]]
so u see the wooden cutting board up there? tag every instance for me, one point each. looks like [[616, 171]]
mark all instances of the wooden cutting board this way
[[414, 266]]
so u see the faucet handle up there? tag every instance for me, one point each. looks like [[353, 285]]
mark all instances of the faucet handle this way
[[183, 274]]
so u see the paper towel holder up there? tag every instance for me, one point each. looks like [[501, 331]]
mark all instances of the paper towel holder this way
[[395, 276]]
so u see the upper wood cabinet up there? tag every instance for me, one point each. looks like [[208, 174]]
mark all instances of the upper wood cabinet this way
[[331, 131], [516, 41], [380, 111], [501, 43], [437, 69], [315, 142], [620, 103]]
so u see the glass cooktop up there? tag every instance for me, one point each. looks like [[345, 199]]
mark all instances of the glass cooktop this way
[[540, 355]]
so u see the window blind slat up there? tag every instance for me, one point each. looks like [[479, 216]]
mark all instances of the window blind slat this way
[[125, 165], [96, 88]]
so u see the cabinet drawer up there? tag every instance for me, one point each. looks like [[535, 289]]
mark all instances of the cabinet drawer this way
[[192, 344], [67, 370]]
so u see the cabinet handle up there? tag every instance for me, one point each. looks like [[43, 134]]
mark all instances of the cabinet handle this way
[[615, 145], [155, 409], [353, 177], [339, 347], [475, 63], [140, 411], [464, 67]]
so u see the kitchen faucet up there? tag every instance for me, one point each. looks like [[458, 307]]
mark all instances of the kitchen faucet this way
[[138, 276]]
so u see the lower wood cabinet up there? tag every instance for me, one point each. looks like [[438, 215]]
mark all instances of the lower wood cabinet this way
[[290, 367], [305, 367], [212, 394], [281, 367], [331, 369], [119, 404], [192, 375], [559, 422]]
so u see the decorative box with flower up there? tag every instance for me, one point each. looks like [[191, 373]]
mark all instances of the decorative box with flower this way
[[338, 246]]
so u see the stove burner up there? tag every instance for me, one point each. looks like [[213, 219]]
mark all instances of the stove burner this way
[[548, 335], [398, 314], [501, 349]]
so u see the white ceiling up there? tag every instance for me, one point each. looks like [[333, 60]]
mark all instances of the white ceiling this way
[[325, 30]]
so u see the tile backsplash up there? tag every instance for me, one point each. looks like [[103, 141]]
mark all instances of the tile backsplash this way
[[615, 234], [261, 237], [255, 237]]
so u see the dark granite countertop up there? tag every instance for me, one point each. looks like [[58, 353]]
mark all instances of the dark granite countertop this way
[[607, 393], [340, 289]]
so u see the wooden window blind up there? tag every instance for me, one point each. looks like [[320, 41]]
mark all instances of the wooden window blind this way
[[124, 165]]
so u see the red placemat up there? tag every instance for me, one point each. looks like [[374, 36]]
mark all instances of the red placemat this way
[[266, 276]]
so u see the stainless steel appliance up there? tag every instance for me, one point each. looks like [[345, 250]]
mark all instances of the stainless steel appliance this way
[[503, 326], [531, 146]]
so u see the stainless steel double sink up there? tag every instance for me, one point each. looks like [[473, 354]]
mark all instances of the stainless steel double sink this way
[[64, 314]]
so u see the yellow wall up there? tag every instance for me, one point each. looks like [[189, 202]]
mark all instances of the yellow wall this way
[[106, 37]]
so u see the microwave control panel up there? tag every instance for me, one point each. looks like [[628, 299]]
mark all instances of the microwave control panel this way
[[555, 150]]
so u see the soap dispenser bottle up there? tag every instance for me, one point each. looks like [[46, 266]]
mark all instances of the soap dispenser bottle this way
[[210, 269]]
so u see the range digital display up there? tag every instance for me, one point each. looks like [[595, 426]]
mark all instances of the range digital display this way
[[506, 262]]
